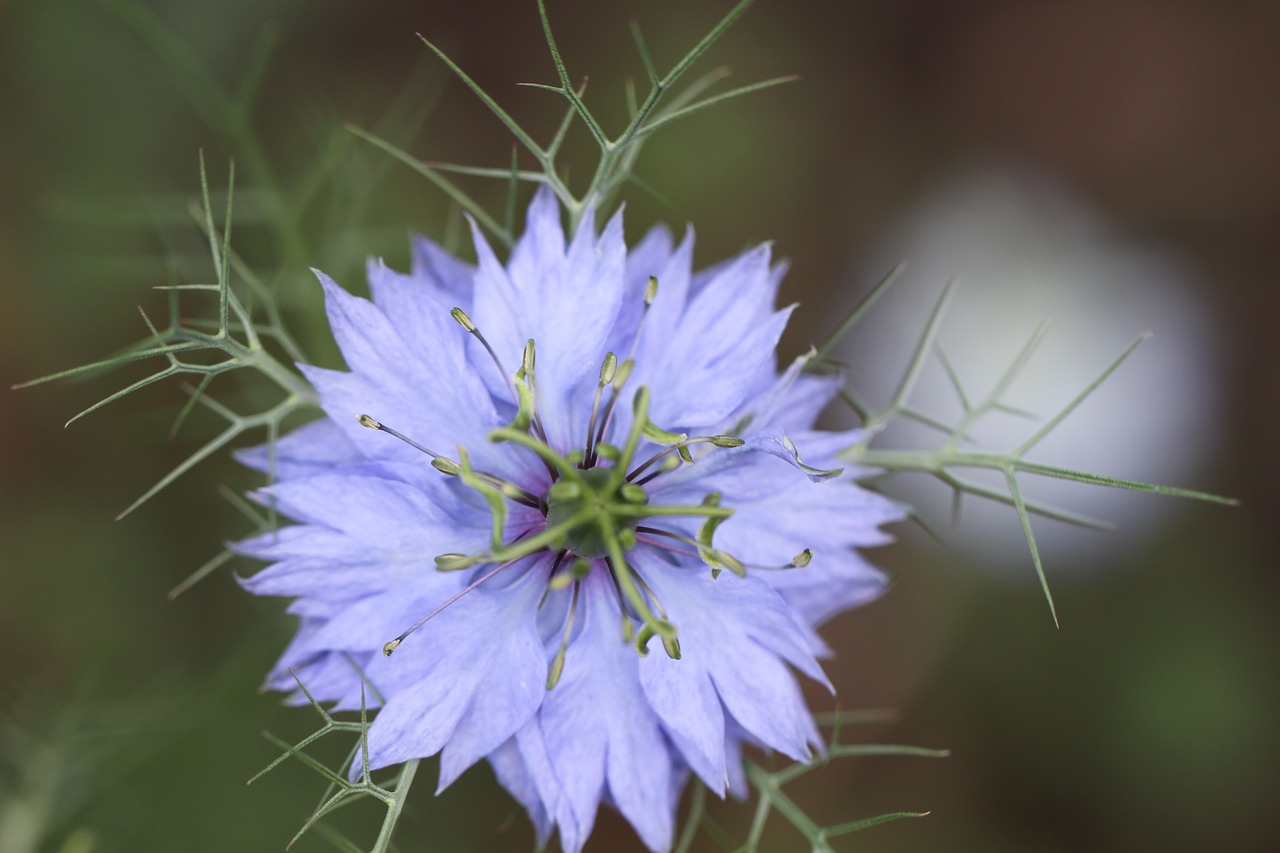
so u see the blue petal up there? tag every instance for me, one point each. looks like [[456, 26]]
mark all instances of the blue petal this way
[[513, 774], [537, 758], [309, 449], [832, 583], [779, 444], [596, 729], [564, 297], [737, 633], [385, 515], [441, 270], [476, 655], [420, 316], [709, 373]]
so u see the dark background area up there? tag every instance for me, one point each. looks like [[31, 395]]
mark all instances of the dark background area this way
[[1146, 722]]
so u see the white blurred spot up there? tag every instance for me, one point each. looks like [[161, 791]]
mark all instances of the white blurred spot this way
[[1025, 252]]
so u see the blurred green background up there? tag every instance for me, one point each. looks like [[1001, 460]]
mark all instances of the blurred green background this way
[[128, 722]]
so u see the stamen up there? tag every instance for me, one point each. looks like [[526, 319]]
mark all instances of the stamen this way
[[366, 421], [555, 582], [650, 293], [607, 371], [619, 568], [527, 418], [465, 322], [670, 642], [639, 419], [715, 440], [557, 663], [645, 534], [445, 465], [528, 404], [620, 378], [392, 645], [671, 463], [607, 376]]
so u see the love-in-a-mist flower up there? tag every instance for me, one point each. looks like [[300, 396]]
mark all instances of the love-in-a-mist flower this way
[[568, 494]]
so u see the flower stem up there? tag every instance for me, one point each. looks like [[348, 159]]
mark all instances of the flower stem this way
[[394, 808]]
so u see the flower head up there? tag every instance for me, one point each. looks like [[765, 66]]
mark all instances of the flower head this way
[[586, 532]]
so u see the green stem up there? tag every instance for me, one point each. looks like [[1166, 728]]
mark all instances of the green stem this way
[[937, 462], [395, 807]]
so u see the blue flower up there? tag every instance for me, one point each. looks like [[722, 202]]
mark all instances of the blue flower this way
[[622, 553]]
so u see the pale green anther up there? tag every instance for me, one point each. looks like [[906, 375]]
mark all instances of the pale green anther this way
[[390, 646], [524, 406], [366, 421], [706, 532], [661, 436], [623, 374], [655, 628], [631, 493], [608, 369], [627, 539], [564, 490], [512, 491], [559, 581], [446, 466], [799, 561], [463, 320], [671, 644], [608, 451], [643, 636], [650, 291], [685, 453], [526, 361], [581, 568], [640, 403], [557, 669], [732, 563], [454, 562], [720, 560], [576, 457], [725, 440], [628, 629]]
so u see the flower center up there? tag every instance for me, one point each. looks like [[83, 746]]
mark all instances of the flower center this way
[[594, 515], [596, 497]]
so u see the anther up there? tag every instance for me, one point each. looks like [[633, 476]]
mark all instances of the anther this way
[[607, 371], [527, 407], [670, 463], [391, 645], [645, 534], [557, 663], [465, 322], [682, 448], [445, 465], [620, 377], [366, 421], [650, 293]]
